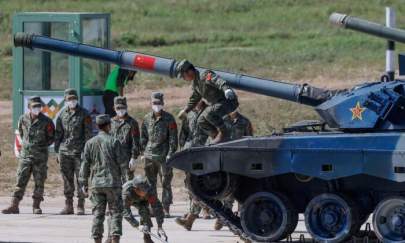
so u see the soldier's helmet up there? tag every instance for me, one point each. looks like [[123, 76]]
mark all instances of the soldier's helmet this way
[[141, 183], [103, 119], [70, 93], [35, 101], [182, 67], [157, 97], [120, 102]]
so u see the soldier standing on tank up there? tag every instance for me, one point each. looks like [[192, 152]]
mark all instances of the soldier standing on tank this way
[[221, 99], [238, 126], [140, 194], [102, 158], [159, 142], [73, 129], [38, 133], [126, 130]]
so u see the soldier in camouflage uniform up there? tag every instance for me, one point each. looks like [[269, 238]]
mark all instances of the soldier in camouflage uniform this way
[[221, 99], [139, 193], [126, 130], [191, 136], [37, 132], [159, 142], [73, 129], [238, 126], [102, 160]]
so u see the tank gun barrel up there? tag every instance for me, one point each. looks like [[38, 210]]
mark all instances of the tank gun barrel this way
[[367, 27], [167, 67]]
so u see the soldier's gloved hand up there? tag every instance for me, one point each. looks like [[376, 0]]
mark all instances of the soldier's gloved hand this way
[[182, 115], [132, 163], [168, 157], [229, 94], [161, 233], [145, 229], [134, 223]]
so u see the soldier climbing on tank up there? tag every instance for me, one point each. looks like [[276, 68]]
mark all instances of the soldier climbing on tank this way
[[126, 130], [73, 129], [38, 133], [220, 98], [159, 142], [140, 194]]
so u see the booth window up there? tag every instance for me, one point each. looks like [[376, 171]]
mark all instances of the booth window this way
[[44, 70], [94, 73]]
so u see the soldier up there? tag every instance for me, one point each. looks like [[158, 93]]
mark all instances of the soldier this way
[[221, 99], [73, 129], [139, 193], [238, 126], [159, 142], [191, 135], [101, 159], [37, 132], [126, 130]]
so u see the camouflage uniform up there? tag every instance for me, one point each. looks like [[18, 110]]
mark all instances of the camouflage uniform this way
[[211, 88], [126, 131], [73, 129], [36, 136], [130, 198], [238, 127], [159, 141], [101, 160]]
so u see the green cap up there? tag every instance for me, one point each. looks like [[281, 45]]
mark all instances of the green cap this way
[[70, 93], [157, 96], [141, 183], [35, 100], [120, 101], [183, 66], [103, 119]]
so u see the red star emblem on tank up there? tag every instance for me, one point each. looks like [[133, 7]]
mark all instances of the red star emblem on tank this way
[[357, 111]]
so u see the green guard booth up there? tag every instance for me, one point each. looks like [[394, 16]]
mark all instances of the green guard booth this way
[[49, 74]]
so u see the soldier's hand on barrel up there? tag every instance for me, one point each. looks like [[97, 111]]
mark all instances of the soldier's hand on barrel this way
[[182, 115], [229, 94], [134, 223], [161, 233]]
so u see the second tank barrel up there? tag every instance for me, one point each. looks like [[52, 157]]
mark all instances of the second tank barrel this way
[[163, 66], [368, 27]]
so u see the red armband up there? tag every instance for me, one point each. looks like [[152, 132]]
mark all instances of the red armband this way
[[173, 125], [152, 200]]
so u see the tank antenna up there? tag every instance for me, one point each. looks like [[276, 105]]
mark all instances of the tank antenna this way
[[389, 58]]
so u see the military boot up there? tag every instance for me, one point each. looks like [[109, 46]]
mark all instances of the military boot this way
[[36, 206], [187, 223], [13, 208], [147, 239], [97, 240], [166, 211], [80, 207], [206, 214], [68, 209], [115, 239], [218, 224]]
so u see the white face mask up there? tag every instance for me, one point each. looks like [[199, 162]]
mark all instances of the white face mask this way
[[71, 103], [157, 108], [121, 112], [36, 110]]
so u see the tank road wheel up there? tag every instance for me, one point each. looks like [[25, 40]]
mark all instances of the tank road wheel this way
[[215, 185], [389, 220], [331, 218], [268, 217]]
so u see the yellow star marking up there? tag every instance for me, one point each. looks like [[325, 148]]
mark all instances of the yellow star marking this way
[[357, 111]]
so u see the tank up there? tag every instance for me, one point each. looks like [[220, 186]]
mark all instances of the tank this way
[[336, 171]]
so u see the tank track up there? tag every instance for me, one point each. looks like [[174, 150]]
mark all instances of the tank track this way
[[227, 217]]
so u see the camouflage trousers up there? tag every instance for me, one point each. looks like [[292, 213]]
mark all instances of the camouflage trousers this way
[[101, 198], [38, 167], [70, 168], [195, 208], [152, 169], [212, 117]]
